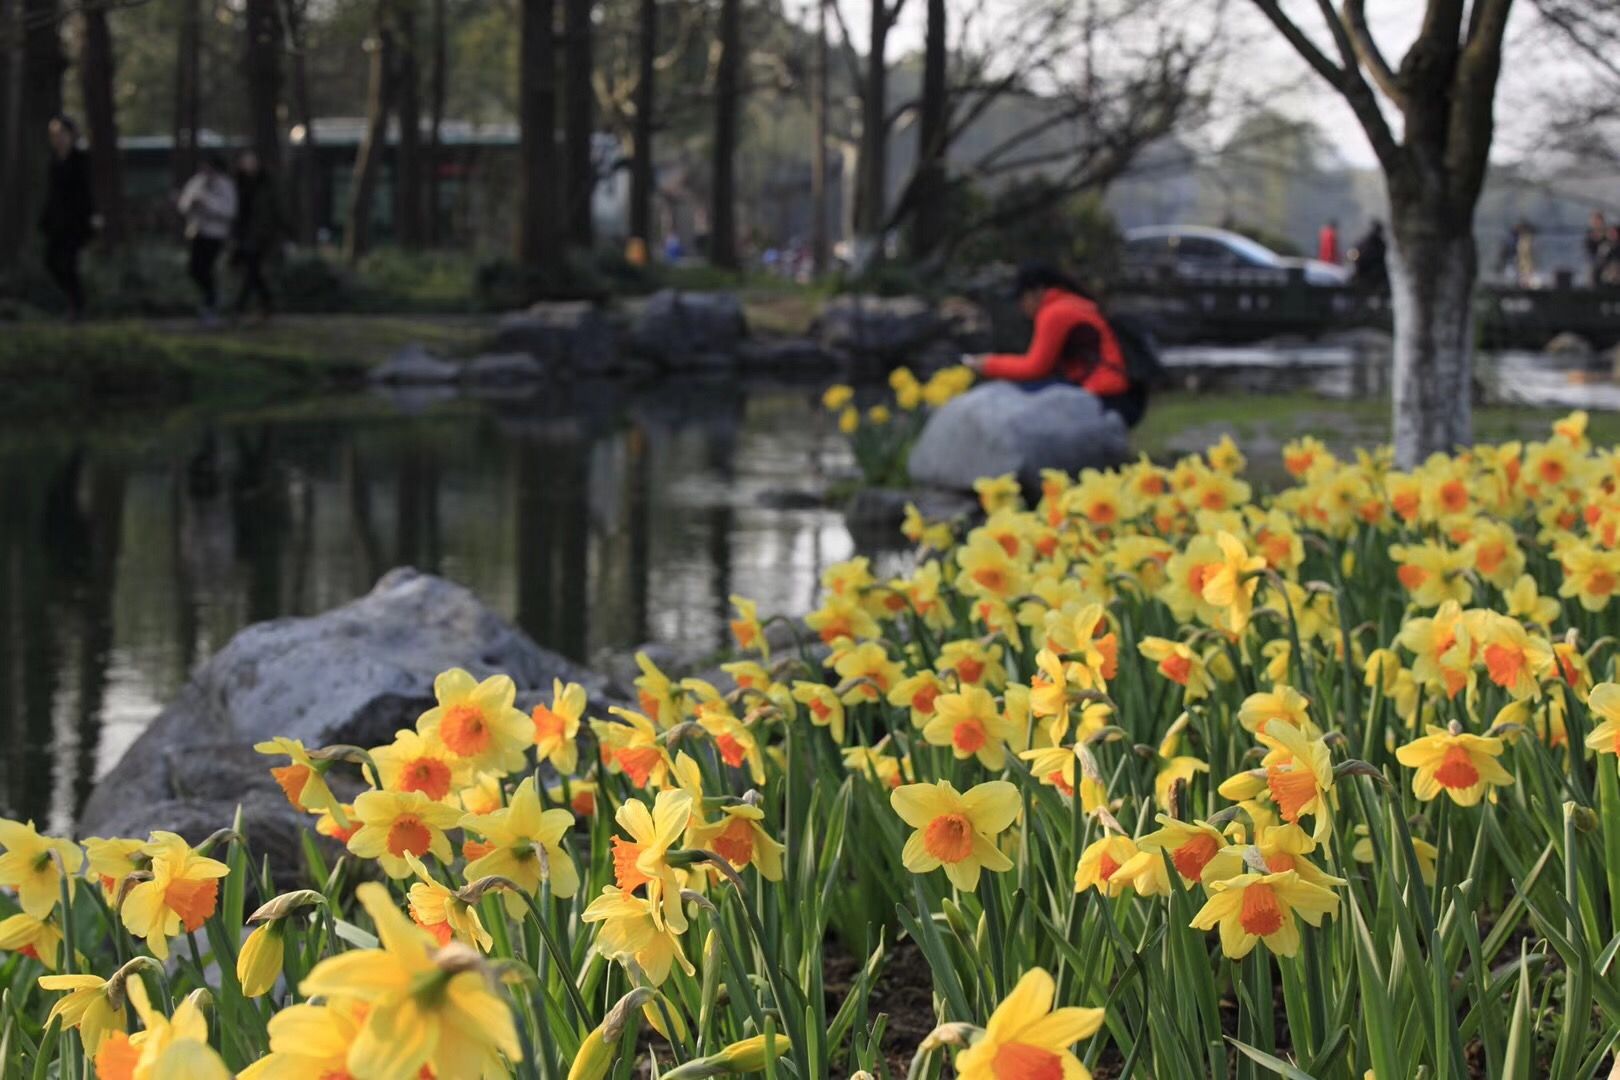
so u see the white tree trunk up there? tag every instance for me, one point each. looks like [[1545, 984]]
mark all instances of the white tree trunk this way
[[1432, 277]]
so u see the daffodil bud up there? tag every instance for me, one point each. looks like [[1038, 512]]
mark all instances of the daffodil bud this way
[[601, 1047], [281, 906], [259, 963], [746, 1056]]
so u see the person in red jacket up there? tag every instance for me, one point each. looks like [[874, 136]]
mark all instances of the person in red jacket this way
[[1073, 344]]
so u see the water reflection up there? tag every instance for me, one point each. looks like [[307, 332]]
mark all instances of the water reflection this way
[[595, 518]]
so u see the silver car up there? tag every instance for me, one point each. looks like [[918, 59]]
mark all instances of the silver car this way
[[1195, 252]]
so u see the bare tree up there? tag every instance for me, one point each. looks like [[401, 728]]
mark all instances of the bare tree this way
[[261, 69], [929, 192], [579, 166], [820, 246], [101, 119], [727, 103], [296, 14], [408, 101], [1444, 90], [438, 76], [537, 123], [641, 152], [379, 103], [187, 92]]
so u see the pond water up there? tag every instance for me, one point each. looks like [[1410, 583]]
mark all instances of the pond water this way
[[594, 518]]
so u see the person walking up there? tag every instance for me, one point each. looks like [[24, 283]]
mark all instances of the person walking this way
[[1596, 242], [67, 219], [1369, 257], [1327, 243], [255, 232], [208, 203]]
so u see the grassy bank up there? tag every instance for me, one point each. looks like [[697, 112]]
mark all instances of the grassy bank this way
[[50, 367]]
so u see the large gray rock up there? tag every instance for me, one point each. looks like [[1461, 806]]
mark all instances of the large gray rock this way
[[997, 428], [505, 369], [413, 365], [570, 336], [876, 326], [673, 325], [352, 675]]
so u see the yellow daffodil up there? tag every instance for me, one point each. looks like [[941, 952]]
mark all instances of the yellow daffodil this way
[[427, 1006], [642, 860], [394, 824], [34, 864], [182, 893], [87, 1005], [303, 780], [1464, 766], [556, 726], [956, 830], [526, 846], [477, 722], [37, 939], [437, 908], [1252, 908], [1027, 1039], [633, 932], [970, 724], [415, 762], [632, 747], [112, 860]]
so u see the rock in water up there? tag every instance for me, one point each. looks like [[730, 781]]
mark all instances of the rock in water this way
[[352, 675], [413, 365], [571, 336], [890, 328], [673, 325], [997, 428]]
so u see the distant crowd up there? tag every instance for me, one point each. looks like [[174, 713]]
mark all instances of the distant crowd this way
[[224, 209]]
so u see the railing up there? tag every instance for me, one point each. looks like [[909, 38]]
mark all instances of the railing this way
[[1252, 305]]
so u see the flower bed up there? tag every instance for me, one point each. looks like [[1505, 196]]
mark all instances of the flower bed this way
[[1155, 775]]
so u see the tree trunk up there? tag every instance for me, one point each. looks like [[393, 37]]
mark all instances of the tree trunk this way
[[437, 77], [819, 240], [408, 158], [187, 93], [101, 118], [309, 208], [579, 99], [537, 122], [872, 190], [39, 97], [722, 191], [10, 92], [928, 220], [641, 159], [368, 163], [261, 64], [1432, 269]]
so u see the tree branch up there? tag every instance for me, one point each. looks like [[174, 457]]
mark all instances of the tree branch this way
[[1368, 54]]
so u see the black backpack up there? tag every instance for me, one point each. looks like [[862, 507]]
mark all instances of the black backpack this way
[[1140, 350]]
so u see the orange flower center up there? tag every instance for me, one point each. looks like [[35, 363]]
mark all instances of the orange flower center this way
[[428, 775], [1260, 914], [1600, 583], [192, 900], [1412, 577], [1009, 544], [476, 849], [1102, 512], [1490, 557], [638, 763], [1505, 663], [731, 751], [292, 779], [970, 670], [1108, 646], [1291, 788], [1059, 781], [1454, 496], [1456, 770], [1021, 1061], [584, 803], [968, 736], [464, 730], [408, 834], [923, 700], [735, 843], [949, 838], [116, 1059], [1107, 866], [625, 872], [649, 704], [1176, 668], [991, 579], [1191, 858], [547, 725], [439, 930], [1279, 862], [744, 631]]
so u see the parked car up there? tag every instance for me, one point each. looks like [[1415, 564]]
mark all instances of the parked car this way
[[1194, 252]]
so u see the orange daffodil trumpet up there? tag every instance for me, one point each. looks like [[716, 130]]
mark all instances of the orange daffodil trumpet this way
[[956, 830], [1449, 760], [1027, 1039]]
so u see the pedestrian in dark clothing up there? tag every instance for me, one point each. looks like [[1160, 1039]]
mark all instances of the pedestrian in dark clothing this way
[[1597, 242], [255, 232], [1370, 257], [68, 217], [208, 203]]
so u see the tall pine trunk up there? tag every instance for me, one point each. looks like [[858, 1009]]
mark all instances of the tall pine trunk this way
[[368, 163], [437, 82], [820, 241], [36, 96], [408, 157], [101, 119], [261, 66], [537, 124], [1432, 273], [723, 191], [308, 162], [641, 159], [187, 92], [872, 191], [579, 100], [929, 185]]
